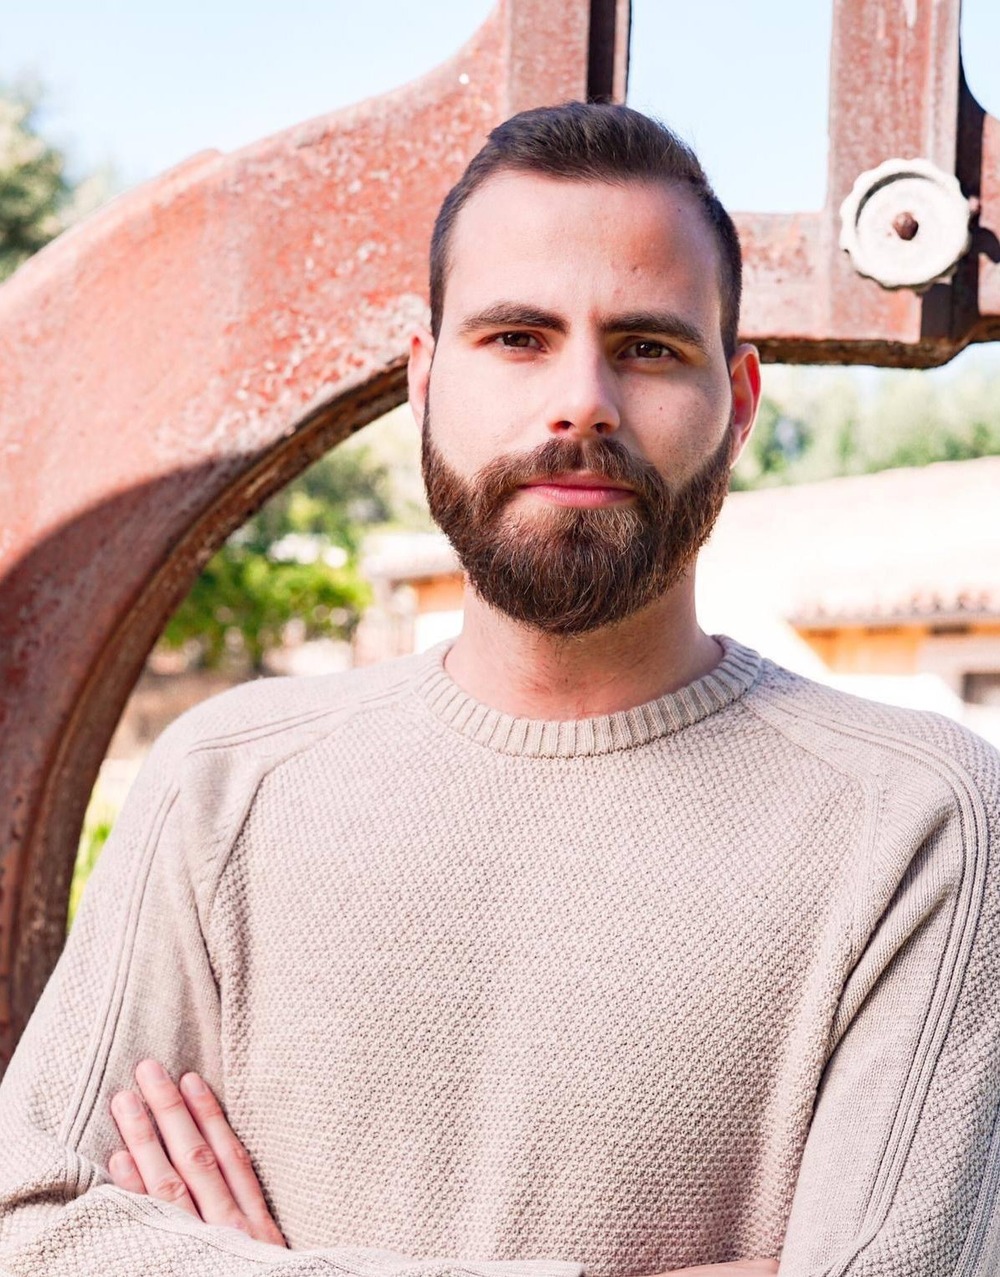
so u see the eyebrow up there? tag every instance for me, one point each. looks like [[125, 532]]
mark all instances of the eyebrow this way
[[513, 315], [664, 323]]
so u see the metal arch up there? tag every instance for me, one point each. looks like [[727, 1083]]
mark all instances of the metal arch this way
[[185, 352], [173, 361]]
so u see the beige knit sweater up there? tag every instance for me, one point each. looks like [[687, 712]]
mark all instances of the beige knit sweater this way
[[677, 985]]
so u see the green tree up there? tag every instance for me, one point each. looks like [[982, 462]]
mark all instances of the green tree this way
[[335, 500], [34, 191], [295, 561], [37, 199], [777, 443], [816, 427]]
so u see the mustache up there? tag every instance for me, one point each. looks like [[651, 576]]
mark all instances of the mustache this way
[[609, 459], [578, 569]]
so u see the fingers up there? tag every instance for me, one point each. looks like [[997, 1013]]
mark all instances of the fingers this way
[[197, 1162], [182, 1169], [189, 1154], [233, 1159], [149, 1164], [125, 1173]]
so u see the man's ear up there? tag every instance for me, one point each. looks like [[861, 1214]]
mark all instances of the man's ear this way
[[418, 372], [744, 376]]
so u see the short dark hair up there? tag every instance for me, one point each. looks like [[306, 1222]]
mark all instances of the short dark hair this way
[[592, 141]]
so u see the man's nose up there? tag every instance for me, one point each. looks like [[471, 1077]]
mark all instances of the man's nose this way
[[585, 401]]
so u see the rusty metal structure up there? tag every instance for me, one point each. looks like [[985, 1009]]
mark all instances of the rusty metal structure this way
[[185, 352]]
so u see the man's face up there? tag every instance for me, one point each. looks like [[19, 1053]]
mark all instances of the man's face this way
[[582, 416]]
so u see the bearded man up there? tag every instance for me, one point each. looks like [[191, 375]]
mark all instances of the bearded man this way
[[589, 943]]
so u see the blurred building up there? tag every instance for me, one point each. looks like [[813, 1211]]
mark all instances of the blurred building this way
[[887, 585]]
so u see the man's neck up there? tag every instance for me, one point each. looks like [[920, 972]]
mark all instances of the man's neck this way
[[529, 674]]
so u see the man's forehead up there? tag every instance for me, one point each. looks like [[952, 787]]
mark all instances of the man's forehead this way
[[546, 231], [529, 192]]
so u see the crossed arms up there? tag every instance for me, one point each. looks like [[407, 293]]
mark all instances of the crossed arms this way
[[136, 981], [183, 1151], [928, 1076]]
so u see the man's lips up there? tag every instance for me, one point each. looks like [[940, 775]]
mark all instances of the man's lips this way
[[580, 488]]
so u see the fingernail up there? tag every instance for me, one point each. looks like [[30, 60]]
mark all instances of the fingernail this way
[[155, 1070], [193, 1083], [128, 1102]]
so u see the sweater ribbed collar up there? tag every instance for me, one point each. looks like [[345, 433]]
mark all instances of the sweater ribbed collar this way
[[626, 729]]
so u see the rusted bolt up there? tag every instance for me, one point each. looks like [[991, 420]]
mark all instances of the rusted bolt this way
[[905, 225]]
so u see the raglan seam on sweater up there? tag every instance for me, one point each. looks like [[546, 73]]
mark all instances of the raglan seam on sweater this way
[[985, 1209], [867, 788], [215, 866], [257, 730], [971, 812], [343, 716], [936, 1028], [81, 1107], [897, 1150], [250, 735]]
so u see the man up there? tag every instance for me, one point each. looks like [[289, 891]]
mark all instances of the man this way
[[589, 943]]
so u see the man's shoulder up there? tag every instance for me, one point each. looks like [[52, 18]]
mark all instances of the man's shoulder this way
[[876, 738], [209, 764], [268, 716]]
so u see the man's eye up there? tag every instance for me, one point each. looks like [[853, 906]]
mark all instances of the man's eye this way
[[647, 349], [517, 341]]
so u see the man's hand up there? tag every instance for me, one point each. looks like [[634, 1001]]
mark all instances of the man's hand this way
[[200, 1165]]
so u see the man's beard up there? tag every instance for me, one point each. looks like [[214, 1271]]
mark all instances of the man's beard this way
[[568, 570]]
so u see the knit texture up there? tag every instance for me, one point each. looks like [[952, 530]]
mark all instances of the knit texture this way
[[710, 978]]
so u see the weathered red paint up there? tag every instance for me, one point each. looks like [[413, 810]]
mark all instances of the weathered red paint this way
[[896, 90], [186, 351], [170, 363]]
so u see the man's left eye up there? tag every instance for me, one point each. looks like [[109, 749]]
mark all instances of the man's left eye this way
[[647, 349], [517, 340]]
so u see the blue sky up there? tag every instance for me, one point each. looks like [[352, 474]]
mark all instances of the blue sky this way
[[141, 86]]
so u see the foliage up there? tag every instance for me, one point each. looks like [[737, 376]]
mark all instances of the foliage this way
[[335, 500], [243, 600], [777, 443], [816, 428], [33, 188], [292, 563], [37, 198]]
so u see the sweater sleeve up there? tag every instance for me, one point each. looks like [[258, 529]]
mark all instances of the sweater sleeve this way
[[135, 980], [901, 1168]]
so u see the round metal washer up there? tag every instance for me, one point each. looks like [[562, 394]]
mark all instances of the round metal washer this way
[[905, 224]]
